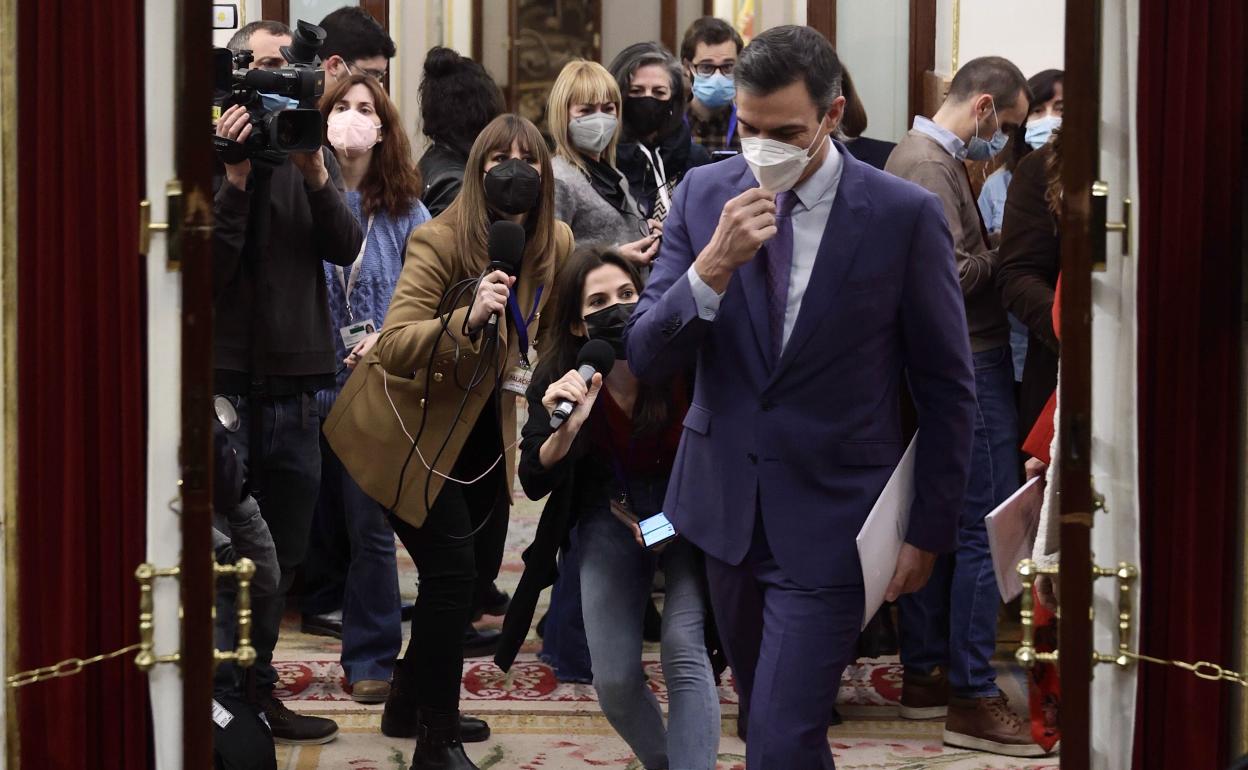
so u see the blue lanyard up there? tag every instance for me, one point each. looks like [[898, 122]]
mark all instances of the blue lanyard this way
[[522, 325], [732, 127]]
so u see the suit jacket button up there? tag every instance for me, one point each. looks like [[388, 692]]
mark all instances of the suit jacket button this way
[[437, 376], [767, 404], [753, 458]]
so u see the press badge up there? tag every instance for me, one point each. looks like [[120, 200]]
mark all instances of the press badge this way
[[354, 334], [518, 379]]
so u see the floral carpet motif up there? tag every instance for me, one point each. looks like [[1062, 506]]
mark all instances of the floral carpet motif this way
[[542, 724]]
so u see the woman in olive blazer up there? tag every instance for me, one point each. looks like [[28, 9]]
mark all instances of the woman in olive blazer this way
[[432, 401]]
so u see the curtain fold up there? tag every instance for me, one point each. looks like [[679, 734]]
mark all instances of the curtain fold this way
[[1191, 119], [81, 508]]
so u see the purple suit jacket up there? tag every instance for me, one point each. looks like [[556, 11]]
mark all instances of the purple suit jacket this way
[[810, 440]]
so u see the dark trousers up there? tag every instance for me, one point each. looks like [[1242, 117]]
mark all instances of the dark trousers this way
[[788, 645], [457, 551], [351, 566], [285, 484]]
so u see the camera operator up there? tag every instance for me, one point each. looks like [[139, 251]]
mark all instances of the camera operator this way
[[274, 349]]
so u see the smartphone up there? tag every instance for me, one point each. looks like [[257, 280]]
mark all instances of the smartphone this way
[[656, 530], [718, 155]]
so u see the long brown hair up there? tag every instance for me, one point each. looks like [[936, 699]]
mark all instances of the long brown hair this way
[[560, 347], [392, 183], [469, 215]]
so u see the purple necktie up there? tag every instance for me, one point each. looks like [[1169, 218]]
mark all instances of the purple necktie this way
[[779, 263]]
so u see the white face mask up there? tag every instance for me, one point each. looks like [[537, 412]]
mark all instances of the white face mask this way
[[778, 165]]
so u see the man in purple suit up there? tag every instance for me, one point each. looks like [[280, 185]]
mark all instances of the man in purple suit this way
[[804, 285]]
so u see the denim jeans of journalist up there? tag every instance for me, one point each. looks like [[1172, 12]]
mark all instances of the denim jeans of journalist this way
[[564, 647], [286, 486], [952, 621], [616, 579], [351, 566]]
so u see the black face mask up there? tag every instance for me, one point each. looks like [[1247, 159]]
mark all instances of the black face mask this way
[[646, 115], [608, 324], [513, 187]]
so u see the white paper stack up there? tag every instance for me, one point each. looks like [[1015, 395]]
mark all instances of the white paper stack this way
[[1012, 534], [884, 532]]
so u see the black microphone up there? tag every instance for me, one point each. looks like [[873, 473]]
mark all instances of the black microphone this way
[[597, 357], [506, 251]]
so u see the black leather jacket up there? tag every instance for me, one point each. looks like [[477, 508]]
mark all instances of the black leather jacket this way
[[442, 168]]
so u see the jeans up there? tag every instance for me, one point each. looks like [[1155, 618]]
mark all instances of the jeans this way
[[351, 565], [563, 644], [952, 621], [285, 484], [616, 579], [1019, 339], [459, 544]]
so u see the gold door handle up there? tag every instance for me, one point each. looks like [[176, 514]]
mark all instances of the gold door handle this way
[[243, 571], [1100, 217], [244, 654], [1027, 655], [173, 195]]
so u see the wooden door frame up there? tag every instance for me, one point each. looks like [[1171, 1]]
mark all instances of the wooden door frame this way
[[1079, 169], [821, 16], [922, 52], [193, 160]]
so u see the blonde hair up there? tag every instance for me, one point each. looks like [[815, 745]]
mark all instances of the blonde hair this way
[[581, 82], [469, 214]]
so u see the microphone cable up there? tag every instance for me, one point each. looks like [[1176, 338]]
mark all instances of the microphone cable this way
[[489, 352]]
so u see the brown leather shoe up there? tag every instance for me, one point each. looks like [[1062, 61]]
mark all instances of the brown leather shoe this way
[[924, 696], [989, 724], [370, 691]]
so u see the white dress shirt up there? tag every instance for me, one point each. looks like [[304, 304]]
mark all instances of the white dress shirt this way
[[810, 219]]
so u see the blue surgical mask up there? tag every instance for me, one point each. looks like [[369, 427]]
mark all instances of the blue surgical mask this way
[[1039, 130], [714, 91], [984, 149], [273, 102]]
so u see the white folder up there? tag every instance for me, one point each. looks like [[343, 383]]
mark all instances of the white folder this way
[[1012, 534], [884, 532]]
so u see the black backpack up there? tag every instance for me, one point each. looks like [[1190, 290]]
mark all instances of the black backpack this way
[[241, 737]]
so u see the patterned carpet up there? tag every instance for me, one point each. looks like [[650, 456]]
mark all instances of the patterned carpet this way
[[541, 724]]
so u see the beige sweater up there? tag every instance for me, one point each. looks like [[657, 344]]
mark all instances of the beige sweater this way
[[921, 160]]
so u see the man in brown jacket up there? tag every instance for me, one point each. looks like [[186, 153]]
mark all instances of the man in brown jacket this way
[[948, 629]]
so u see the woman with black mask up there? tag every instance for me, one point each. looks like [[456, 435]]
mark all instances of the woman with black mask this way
[[657, 148], [427, 421], [606, 469]]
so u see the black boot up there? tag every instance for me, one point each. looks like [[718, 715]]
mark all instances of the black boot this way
[[400, 719], [438, 746]]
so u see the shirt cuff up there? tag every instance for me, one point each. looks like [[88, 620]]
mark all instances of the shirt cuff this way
[[703, 296]]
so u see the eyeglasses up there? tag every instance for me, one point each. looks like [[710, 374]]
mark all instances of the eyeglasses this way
[[706, 68], [374, 74]]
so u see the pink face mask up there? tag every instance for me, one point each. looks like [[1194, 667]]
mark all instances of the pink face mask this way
[[352, 133]]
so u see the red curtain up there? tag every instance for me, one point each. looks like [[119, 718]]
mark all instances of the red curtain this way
[[81, 424], [1191, 123]]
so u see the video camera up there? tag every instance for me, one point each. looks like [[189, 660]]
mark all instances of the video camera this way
[[281, 102]]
